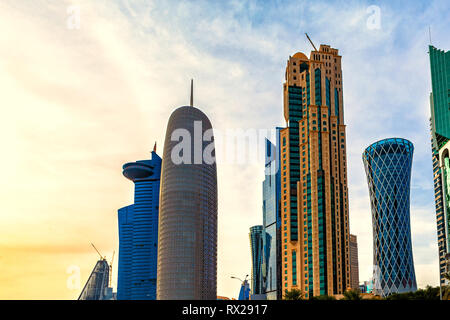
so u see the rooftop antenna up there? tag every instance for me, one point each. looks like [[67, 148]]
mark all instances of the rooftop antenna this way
[[192, 92], [311, 42], [429, 33]]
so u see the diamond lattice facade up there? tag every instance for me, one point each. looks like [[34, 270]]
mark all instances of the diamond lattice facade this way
[[388, 168]]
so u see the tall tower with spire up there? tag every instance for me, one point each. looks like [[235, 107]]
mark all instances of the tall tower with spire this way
[[187, 243]]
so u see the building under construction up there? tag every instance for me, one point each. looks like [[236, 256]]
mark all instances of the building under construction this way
[[98, 286]]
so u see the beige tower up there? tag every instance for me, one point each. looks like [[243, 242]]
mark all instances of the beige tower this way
[[314, 197]]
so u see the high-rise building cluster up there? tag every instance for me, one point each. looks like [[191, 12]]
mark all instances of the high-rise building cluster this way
[[168, 236], [305, 195], [307, 243]]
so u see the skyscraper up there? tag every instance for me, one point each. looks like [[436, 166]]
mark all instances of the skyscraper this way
[[444, 166], [138, 232], [314, 197], [272, 220], [258, 264], [124, 275], [187, 246], [440, 135], [388, 168], [354, 268], [97, 286]]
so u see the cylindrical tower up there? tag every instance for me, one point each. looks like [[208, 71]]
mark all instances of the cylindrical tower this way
[[187, 244], [388, 168]]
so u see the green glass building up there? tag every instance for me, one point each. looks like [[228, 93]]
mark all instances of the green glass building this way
[[440, 136]]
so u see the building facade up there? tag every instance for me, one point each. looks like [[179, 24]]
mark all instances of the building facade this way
[[244, 292], [138, 232], [314, 196], [366, 286], [272, 220], [258, 264], [124, 274], [97, 287], [354, 265], [440, 135], [444, 169], [187, 246], [388, 168]]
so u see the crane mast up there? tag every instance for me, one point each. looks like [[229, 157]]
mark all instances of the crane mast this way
[[311, 42]]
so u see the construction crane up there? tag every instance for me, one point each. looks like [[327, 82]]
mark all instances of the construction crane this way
[[101, 257], [110, 268], [104, 258], [311, 42]]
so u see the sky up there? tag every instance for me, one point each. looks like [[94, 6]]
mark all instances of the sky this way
[[86, 86]]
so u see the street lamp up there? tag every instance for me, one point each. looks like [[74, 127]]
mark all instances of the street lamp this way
[[233, 277], [244, 283]]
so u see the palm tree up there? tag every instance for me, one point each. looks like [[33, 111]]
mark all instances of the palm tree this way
[[294, 294], [323, 297], [353, 294], [429, 293]]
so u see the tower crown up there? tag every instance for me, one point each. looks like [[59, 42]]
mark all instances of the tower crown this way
[[300, 55]]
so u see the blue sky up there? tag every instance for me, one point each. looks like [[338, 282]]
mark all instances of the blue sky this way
[[81, 102]]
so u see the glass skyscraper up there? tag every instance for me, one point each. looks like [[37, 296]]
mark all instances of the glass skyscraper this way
[[138, 232], [440, 135], [272, 220], [125, 253], [315, 255], [388, 168], [97, 286], [444, 165], [258, 264], [187, 246]]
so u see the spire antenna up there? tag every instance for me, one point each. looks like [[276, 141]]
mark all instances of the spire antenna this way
[[192, 92], [154, 147], [429, 34]]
